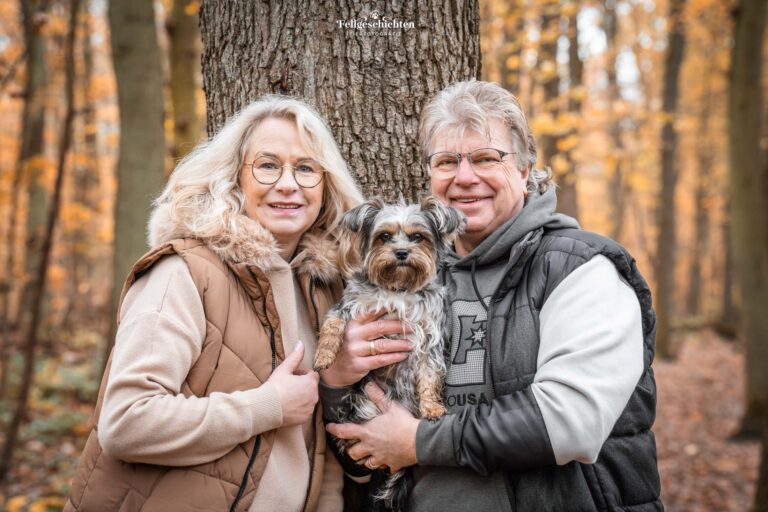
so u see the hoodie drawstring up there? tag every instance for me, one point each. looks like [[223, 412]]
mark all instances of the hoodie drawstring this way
[[474, 285]]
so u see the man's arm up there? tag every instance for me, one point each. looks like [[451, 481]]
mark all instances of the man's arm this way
[[590, 360]]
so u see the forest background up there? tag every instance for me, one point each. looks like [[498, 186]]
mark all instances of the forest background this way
[[650, 113]]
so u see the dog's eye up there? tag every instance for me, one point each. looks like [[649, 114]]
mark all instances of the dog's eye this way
[[416, 237], [385, 237]]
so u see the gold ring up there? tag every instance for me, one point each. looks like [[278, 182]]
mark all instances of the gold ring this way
[[373, 347]]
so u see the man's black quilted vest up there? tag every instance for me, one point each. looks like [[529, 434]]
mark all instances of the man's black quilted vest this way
[[625, 476]]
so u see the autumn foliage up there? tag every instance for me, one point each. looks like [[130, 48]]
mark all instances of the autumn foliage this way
[[591, 77]]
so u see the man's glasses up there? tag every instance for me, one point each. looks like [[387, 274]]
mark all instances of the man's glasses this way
[[267, 170], [483, 161]]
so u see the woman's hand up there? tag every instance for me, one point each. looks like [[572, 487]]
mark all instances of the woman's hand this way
[[365, 348], [296, 388]]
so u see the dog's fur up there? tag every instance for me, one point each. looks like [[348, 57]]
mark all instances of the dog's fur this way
[[390, 254]]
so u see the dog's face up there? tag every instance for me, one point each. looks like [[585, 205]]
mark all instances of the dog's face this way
[[396, 245]]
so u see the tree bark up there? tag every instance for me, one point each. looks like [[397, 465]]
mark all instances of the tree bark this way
[[704, 160], [618, 193], [370, 88], [749, 206], [567, 200], [511, 55], [33, 121], [47, 242], [548, 78], [727, 326], [140, 167], [184, 36], [667, 238]]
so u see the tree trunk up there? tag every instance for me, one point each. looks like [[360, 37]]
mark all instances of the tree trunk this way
[[727, 326], [567, 199], [31, 149], [83, 189], [617, 196], [511, 54], [47, 242], [749, 205], [140, 167], [548, 78], [370, 88], [705, 161], [761, 493], [666, 239], [184, 36]]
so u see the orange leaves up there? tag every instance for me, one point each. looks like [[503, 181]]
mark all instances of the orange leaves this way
[[560, 125], [40, 170], [75, 216], [191, 8]]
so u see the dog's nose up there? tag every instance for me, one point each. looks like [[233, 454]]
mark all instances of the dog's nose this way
[[401, 254]]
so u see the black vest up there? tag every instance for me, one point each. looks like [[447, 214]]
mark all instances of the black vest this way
[[625, 476]]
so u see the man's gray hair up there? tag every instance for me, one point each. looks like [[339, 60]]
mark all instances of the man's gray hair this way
[[470, 105]]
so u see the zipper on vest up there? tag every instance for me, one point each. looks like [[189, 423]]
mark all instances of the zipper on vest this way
[[272, 344], [312, 458], [251, 460], [489, 312], [314, 306]]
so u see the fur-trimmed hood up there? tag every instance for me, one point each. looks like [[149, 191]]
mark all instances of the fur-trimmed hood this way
[[244, 240]]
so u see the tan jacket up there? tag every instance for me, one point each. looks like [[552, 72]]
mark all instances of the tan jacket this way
[[243, 342]]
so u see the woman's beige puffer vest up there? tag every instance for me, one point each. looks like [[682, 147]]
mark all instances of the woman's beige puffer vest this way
[[242, 346]]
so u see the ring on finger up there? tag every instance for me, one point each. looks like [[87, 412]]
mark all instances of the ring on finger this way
[[372, 345]]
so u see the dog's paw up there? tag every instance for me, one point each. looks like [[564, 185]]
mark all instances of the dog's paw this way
[[324, 358], [432, 411]]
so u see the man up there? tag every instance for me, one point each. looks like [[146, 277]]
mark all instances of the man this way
[[550, 390]]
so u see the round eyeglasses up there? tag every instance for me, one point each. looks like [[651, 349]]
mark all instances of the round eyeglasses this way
[[267, 170], [445, 164]]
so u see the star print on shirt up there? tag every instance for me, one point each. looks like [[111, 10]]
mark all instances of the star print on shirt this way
[[478, 338]]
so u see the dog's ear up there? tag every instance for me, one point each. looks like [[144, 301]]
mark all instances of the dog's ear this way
[[355, 228], [446, 222], [362, 216]]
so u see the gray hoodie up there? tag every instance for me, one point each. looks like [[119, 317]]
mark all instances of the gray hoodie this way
[[469, 279]]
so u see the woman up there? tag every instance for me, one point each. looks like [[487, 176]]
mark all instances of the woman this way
[[209, 399]]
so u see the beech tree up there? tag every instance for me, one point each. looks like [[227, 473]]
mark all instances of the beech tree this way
[[367, 67], [140, 168], [749, 215], [666, 239], [43, 258]]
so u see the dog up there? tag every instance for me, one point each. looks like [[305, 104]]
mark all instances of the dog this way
[[390, 255]]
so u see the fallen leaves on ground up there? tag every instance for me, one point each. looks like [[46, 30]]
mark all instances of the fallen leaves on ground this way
[[701, 400], [700, 404]]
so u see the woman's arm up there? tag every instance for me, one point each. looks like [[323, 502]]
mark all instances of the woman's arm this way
[[144, 417]]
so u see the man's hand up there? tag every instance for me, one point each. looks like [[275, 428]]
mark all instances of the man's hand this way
[[357, 356], [387, 440]]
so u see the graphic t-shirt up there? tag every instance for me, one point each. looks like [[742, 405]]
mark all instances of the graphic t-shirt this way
[[467, 384]]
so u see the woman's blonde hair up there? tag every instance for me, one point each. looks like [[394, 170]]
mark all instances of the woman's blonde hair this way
[[203, 193], [470, 105]]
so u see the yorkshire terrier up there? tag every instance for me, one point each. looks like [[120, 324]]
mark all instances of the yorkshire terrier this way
[[390, 254]]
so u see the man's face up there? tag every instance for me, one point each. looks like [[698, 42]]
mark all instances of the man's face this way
[[488, 201]]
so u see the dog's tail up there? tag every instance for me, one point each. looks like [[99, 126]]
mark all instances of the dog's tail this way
[[395, 491]]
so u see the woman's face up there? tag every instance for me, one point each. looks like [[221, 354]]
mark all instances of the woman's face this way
[[284, 208]]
